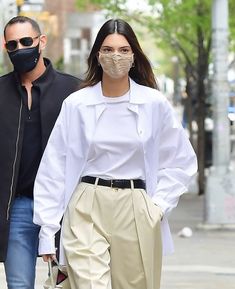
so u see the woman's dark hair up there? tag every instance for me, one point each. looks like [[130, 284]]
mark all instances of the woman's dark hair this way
[[141, 72], [22, 19]]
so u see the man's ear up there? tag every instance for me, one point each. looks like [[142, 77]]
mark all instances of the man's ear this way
[[43, 42], [3, 42]]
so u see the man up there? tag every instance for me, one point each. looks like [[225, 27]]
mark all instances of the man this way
[[30, 101]]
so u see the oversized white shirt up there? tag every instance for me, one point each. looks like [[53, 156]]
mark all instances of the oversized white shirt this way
[[169, 159], [116, 150]]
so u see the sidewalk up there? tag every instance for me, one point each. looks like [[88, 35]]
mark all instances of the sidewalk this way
[[204, 261]]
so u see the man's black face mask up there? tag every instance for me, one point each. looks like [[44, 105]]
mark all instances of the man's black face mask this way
[[24, 60]]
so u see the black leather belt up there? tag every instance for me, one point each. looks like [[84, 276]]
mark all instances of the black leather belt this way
[[122, 184]]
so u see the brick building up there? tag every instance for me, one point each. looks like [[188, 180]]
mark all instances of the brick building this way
[[70, 34]]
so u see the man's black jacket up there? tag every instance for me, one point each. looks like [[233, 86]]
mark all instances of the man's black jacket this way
[[54, 87]]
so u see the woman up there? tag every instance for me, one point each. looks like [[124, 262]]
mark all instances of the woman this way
[[116, 164]]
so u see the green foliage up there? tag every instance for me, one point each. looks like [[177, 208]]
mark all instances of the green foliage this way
[[1, 70], [232, 24], [59, 65], [178, 24], [172, 23]]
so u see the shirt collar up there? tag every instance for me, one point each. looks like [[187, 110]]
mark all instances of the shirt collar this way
[[96, 95], [46, 78]]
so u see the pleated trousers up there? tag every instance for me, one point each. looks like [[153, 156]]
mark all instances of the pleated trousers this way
[[112, 239]]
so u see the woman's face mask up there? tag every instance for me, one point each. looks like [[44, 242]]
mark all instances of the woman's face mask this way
[[116, 65]]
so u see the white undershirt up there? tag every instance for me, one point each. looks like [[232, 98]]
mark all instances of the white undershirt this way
[[116, 151]]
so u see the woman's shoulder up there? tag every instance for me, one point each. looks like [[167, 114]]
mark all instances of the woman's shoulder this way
[[81, 96], [149, 94]]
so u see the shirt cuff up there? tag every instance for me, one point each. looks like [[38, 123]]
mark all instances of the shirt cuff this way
[[162, 204], [46, 246]]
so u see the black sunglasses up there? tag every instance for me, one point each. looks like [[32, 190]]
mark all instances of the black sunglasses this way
[[25, 41]]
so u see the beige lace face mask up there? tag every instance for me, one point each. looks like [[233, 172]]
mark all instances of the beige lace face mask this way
[[116, 65]]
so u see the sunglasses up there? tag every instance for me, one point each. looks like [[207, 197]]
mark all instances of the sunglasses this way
[[25, 41]]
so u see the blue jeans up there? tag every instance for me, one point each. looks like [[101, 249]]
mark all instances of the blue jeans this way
[[22, 246]]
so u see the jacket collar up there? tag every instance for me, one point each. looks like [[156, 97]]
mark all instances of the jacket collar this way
[[44, 81], [96, 96]]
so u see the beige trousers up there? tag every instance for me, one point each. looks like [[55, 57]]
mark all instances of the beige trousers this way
[[111, 239]]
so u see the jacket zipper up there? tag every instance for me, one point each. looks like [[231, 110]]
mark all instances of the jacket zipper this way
[[15, 159]]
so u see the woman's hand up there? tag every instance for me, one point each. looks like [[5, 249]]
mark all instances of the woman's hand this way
[[48, 257]]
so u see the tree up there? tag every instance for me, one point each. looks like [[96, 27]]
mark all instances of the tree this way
[[185, 26]]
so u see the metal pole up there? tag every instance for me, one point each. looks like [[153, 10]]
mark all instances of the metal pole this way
[[220, 87], [220, 188]]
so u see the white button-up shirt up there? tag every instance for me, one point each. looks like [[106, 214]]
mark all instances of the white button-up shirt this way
[[170, 161]]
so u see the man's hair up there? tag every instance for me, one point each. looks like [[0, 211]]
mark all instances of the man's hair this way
[[22, 19]]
